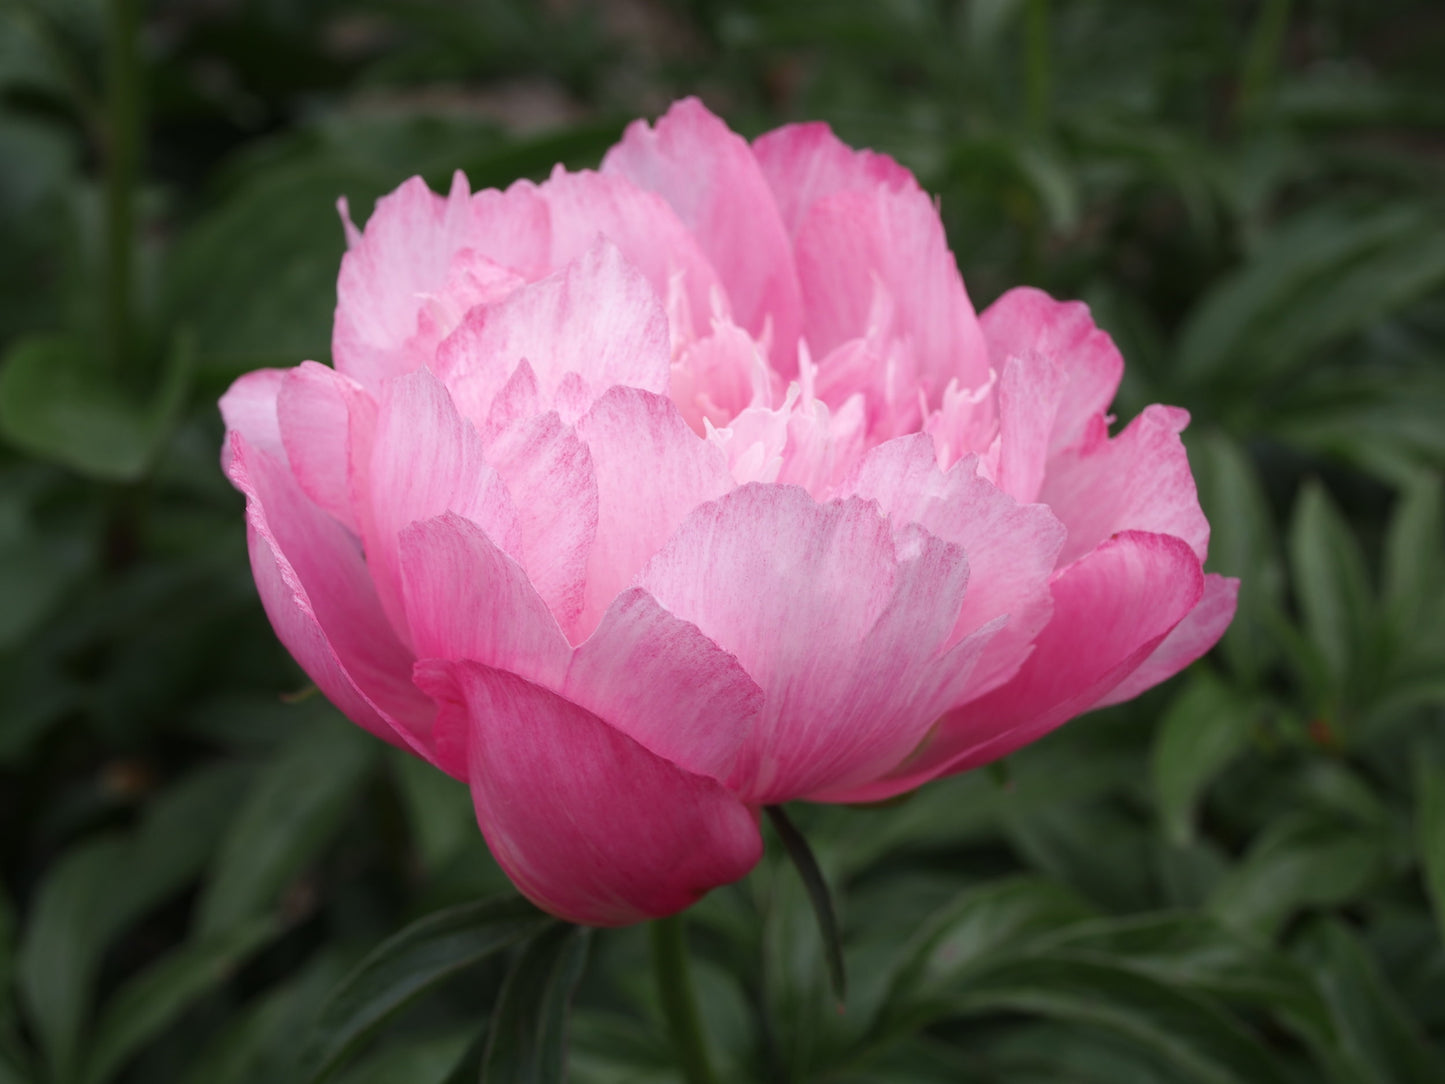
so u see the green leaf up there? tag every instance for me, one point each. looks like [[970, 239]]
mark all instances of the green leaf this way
[[58, 403], [409, 963], [999, 917], [1304, 861], [1377, 1037], [528, 1035], [60, 950], [152, 1000], [1414, 570], [1430, 828], [36, 569], [1331, 584], [1190, 1032], [290, 813], [1206, 726]]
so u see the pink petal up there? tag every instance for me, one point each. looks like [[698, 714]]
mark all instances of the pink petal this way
[[547, 464], [718, 376], [249, 408], [327, 425], [587, 205], [403, 255], [709, 177], [317, 592], [665, 685], [427, 460], [1111, 610], [598, 318], [1189, 640], [859, 220], [1011, 548], [1029, 396], [1139, 481], [1028, 324], [843, 623], [587, 823], [651, 470]]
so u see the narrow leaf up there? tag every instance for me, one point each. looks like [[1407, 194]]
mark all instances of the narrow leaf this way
[[1205, 727], [527, 1042], [411, 962]]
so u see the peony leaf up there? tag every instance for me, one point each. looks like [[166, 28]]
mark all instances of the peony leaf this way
[[527, 1038], [411, 962]]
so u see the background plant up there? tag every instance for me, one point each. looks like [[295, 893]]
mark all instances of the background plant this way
[[1240, 877]]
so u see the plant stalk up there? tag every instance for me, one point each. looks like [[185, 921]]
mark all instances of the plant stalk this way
[[679, 1005]]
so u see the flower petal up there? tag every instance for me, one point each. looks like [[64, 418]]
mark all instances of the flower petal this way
[[327, 425], [1011, 548], [586, 822], [249, 408], [1189, 640], [426, 460], [852, 693], [1139, 481], [316, 590], [1111, 611], [652, 470], [598, 318], [709, 177]]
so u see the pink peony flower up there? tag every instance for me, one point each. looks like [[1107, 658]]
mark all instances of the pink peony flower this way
[[642, 498]]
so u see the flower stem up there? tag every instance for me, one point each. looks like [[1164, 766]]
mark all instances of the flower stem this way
[[679, 1006]]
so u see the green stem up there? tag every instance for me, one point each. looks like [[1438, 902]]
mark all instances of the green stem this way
[[122, 160], [679, 1006]]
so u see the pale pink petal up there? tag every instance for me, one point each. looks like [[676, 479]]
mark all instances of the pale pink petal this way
[[841, 622], [716, 377], [587, 823], [1139, 481], [966, 423], [651, 470], [598, 319], [513, 229], [327, 424], [1027, 323], [665, 685], [1029, 393], [1189, 640], [316, 590], [550, 469], [709, 177], [466, 599], [1011, 548], [249, 408], [403, 255], [860, 221], [1111, 611], [427, 460], [587, 205]]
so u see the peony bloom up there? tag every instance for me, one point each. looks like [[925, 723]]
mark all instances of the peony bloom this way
[[642, 498]]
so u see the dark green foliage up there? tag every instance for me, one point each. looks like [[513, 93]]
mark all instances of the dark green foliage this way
[[1238, 878]]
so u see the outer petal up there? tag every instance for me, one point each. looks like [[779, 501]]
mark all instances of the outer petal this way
[[316, 590], [708, 175], [857, 219], [1189, 640], [1139, 481], [850, 698], [327, 425], [598, 318], [586, 822], [1030, 325], [249, 408], [426, 460], [1011, 548], [402, 257], [1111, 611], [652, 470]]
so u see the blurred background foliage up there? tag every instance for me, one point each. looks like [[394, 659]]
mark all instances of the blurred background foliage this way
[[1240, 877]]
